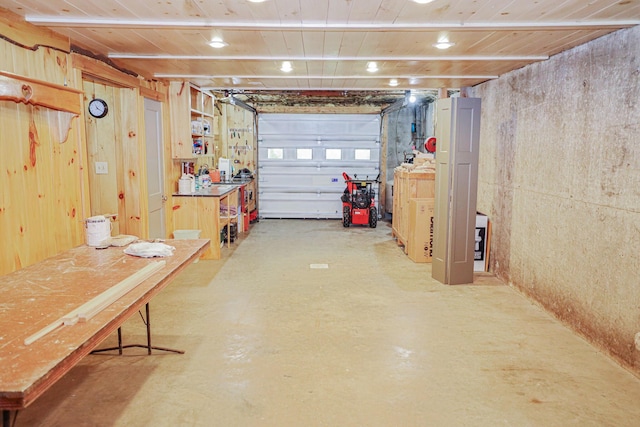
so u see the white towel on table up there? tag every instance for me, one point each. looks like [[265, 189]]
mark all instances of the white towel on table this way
[[149, 249]]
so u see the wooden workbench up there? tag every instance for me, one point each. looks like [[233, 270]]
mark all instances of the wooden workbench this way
[[201, 211], [38, 295]]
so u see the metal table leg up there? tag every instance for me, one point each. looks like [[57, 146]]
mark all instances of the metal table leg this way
[[148, 346]]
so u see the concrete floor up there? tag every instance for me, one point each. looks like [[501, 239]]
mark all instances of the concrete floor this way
[[371, 340]]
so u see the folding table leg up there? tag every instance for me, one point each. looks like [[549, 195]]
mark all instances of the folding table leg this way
[[148, 346]]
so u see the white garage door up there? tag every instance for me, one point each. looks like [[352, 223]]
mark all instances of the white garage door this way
[[302, 157]]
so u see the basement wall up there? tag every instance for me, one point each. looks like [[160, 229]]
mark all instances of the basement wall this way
[[559, 177]]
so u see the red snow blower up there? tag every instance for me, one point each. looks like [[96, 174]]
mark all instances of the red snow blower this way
[[358, 202]]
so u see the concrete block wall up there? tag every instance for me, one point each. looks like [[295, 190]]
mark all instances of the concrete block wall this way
[[559, 176]]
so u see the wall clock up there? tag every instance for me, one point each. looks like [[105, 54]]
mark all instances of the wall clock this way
[[98, 108]]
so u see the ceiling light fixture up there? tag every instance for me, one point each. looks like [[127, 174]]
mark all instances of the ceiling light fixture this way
[[372, 67], [286, 66], [443, 43], [422, 1], [393, 82], [257, 1], [217, 43], [409, 96]]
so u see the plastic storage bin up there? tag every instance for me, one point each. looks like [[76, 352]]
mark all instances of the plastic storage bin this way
[[186, 234]]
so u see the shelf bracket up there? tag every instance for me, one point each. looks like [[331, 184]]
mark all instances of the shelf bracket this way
[[62, 102]]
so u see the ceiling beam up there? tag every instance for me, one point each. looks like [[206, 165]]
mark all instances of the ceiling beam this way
[[318, 77], [57, 21], [332, 58]]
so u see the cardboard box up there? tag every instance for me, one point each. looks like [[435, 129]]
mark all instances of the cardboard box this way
[[420, 240]]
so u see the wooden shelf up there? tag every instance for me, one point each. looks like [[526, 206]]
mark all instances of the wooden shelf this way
[[188, 104], [203, 213], [65, 101]]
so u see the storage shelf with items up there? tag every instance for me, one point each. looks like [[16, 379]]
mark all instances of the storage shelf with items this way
[[228, 217], [193, 121], [208, 211]]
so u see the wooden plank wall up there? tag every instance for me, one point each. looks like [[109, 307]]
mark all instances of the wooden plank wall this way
[[239, 137], [132, 191], [103, 188], [117, 140], [41, 202], [49, 188]]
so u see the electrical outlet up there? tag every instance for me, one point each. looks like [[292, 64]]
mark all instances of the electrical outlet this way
[[102, 168]]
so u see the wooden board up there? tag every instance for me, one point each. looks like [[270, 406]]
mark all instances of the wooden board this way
[[238, 138], [38, 295]]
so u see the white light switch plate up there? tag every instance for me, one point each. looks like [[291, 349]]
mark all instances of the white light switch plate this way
[[102, 168]]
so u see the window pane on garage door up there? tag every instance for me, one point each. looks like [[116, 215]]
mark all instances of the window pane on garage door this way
[[306, 181]]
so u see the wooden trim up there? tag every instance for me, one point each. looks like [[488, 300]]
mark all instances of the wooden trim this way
[[96, 70], [15, 29], [103, 72], [153, 94], [37, 92]]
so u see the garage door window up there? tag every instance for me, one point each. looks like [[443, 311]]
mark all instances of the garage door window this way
[[363, 154], [304, 154], [275, 153], [333, 154]]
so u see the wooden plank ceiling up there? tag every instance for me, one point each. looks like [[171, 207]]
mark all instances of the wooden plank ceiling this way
[[328, 42]]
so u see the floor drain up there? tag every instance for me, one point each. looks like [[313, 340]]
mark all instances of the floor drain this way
[[319, 265]]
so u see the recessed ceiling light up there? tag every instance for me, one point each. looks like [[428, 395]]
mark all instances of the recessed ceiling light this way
[[257, 1], [443, 43], [372, 67], [217, 43], [393, 82], [286, 66], [422, 1]]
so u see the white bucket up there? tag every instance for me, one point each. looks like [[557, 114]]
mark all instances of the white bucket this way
[[98, 231], [186, 184]]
